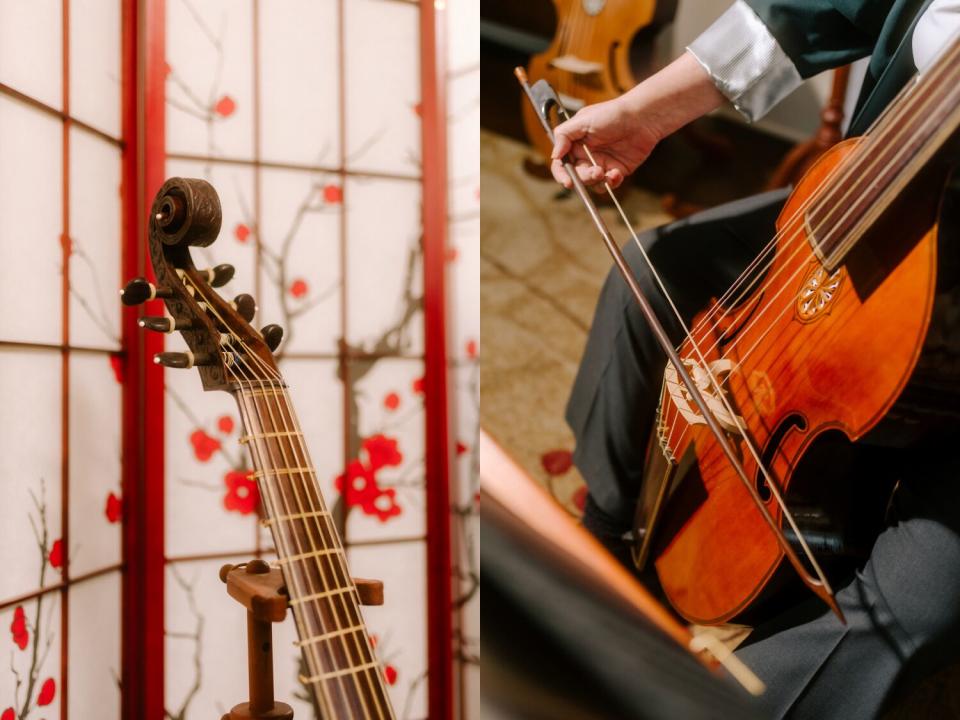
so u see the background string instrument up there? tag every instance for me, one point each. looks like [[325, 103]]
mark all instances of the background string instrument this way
[[597, 52]]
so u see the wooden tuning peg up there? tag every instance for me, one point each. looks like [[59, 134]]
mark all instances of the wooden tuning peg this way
[[157, 324], [139, 290], [220, 275], [245, 306], [180, 360], [272, 335]]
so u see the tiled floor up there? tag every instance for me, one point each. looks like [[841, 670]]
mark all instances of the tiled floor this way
[[542, 264]]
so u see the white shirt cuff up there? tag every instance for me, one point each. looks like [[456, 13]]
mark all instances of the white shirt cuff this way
[[745, 61]]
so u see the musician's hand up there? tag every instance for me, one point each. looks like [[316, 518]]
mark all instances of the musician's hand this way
[[621, 133], [618, 137]]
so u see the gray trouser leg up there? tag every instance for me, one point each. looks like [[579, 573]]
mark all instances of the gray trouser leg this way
[[902, 611], [614, 396]]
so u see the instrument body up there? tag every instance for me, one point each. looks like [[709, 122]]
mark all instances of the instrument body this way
[[846, 324], [831, 361], [589, 59]]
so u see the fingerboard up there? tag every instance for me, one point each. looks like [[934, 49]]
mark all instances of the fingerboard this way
[[343, 669], [901, 143]]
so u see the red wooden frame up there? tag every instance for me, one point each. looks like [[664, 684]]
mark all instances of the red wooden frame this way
[[434, 149], [143, 402], [65, 361]]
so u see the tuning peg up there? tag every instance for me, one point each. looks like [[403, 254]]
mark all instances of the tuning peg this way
[[139, 290], [272, 335], [245, 305], [158, 324], [220, 275], [180, 360]]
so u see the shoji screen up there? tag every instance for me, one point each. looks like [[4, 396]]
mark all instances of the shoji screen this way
[[60, 362], [463, 237], [304, 116]]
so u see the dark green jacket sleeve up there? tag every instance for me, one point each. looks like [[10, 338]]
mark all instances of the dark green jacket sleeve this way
[[821, 34]]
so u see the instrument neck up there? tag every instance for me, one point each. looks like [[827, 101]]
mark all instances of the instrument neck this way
[[894, 151], [342, 668]]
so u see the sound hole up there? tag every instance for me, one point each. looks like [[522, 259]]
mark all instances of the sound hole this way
[[791, 422]]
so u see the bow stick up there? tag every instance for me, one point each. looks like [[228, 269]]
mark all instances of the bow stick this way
[[543, 98]]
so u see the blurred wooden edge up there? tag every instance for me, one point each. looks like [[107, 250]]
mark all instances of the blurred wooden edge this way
[[503, 480], [507, 484]]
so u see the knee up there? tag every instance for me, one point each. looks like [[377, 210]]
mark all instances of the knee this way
[[918, 575]]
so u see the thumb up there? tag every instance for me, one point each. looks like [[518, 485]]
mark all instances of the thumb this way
[[565, 134]]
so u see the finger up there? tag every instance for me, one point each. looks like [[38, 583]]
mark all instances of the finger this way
[[565, 134], [589, 173], [560, 174], [614, 178]]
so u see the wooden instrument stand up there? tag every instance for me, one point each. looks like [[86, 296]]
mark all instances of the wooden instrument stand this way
[[262, 591]]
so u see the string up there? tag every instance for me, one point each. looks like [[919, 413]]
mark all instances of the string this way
[[925, 125], [848, 168], [831, 181], [283, 544], [346, 578], [889, 113], [344, 606], [323, 576], [742, 333], [736, 420], [284, 507]]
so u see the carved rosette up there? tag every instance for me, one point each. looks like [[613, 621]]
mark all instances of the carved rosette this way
[[817, 292]]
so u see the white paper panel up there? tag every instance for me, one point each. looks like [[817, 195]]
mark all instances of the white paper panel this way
[[44, 698], [236, 244], [31, 48], [95, 221], [399, 625], [465, 527], [463, 34], [463, 300], [470, 693], [389, 500], [95, 497], [202, 428], [301, 258], [318, 402], [299, 82], [383, 233], [94, 648], [30, 223], [30, 465], [210, 79], [463, 168], [383, 86], [203, 623], [202, 459], [463, 146], [95, 75]]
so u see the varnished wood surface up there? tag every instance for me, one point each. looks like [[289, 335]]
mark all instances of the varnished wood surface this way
[[343, 670], [604, 38], [841, 371], [503, 481]]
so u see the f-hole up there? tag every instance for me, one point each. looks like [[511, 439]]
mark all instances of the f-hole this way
[[612, 66], [791, 422]]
